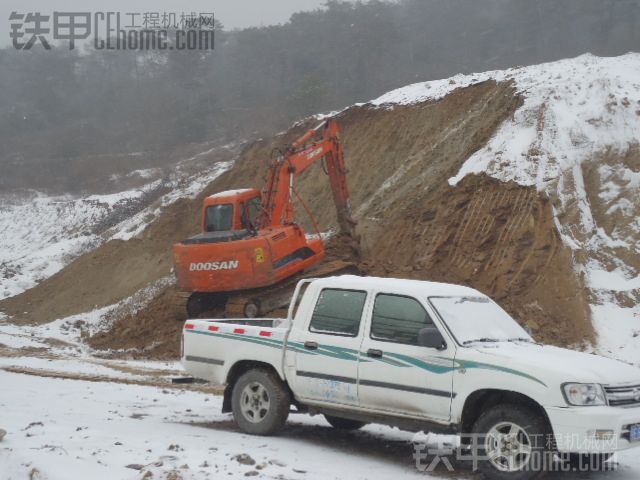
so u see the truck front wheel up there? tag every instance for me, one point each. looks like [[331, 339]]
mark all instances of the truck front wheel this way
[[512, 443], [260, 402]]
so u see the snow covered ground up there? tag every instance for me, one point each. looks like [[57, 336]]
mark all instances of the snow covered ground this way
[[102, 430], [576, 112], [117, 419], [112, 429]]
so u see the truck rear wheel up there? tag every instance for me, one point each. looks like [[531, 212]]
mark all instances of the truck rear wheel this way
[[260, 402], [344, 423], [512, 443]]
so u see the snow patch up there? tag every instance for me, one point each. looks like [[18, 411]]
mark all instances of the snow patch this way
[[41, 234], [107, 430]]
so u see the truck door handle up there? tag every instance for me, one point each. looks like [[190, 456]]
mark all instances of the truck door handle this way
[[311, 345], [374, 353]]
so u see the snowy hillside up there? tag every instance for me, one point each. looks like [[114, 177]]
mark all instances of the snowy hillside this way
[[575, 138], [40, 234]]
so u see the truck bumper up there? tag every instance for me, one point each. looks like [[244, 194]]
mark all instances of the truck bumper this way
[[593, 429]]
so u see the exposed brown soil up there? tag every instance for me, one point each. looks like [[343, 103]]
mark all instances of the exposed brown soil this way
[[497, 237], [616, 213], [494, 236], [153, 332]]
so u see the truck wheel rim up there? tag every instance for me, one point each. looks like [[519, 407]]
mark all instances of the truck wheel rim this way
[[508, 447], [254, 402]]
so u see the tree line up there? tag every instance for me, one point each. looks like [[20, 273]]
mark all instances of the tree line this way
[[61, 104]]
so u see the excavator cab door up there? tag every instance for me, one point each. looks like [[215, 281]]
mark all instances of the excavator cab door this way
[[251, 211]]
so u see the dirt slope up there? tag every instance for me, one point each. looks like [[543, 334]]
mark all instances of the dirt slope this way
[[495, 236], [107, 274]]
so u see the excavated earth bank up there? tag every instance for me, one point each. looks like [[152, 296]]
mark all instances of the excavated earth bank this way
[[497, 237]]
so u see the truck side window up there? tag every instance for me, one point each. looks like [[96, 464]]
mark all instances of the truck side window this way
[[398, 319], [338, 312]]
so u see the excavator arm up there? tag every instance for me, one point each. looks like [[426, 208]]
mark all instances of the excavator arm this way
[[322, 142]]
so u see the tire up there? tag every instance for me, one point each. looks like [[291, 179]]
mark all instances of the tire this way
[[344, 423], [260, 402], [504, 430], [583, 462]]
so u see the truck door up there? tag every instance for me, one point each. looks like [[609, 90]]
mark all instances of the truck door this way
[[326, 348], [396, 374]]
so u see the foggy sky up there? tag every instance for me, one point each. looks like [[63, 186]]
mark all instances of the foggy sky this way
[[232, 13]]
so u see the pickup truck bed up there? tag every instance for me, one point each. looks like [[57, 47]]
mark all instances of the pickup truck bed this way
[[214, 346]]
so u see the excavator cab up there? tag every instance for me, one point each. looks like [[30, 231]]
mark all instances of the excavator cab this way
[[232, 210]]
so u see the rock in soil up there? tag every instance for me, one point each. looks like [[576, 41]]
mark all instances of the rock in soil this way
[[244, 459]]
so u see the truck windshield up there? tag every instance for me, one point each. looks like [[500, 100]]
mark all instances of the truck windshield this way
[[219, 218], [477, 319]]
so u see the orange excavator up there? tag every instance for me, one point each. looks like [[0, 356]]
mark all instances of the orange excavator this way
[[250, 243]]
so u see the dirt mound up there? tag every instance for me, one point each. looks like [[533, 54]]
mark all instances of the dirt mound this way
[[612, 185], [494, 236], [497, 237], [154, 331], [108, 274]]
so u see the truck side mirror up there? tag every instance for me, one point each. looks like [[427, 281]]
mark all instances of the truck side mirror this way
[[431, 337]]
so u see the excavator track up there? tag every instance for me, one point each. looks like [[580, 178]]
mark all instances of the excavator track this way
[[258, 302]]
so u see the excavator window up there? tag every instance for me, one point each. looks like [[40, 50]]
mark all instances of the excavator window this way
[[253, 208], [219, 218]]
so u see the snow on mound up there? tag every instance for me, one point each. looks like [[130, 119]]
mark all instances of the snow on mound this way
[[573, 110], [576, 139], [179, 186]]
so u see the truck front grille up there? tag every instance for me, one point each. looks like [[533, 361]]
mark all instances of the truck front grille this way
[[627, 396]]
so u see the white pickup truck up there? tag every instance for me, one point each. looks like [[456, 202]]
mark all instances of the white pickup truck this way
[[420, 356]]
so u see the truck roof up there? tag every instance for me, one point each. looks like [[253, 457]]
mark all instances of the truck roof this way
[[419, 288]]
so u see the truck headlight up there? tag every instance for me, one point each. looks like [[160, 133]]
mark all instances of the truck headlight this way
[[584, 394]]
